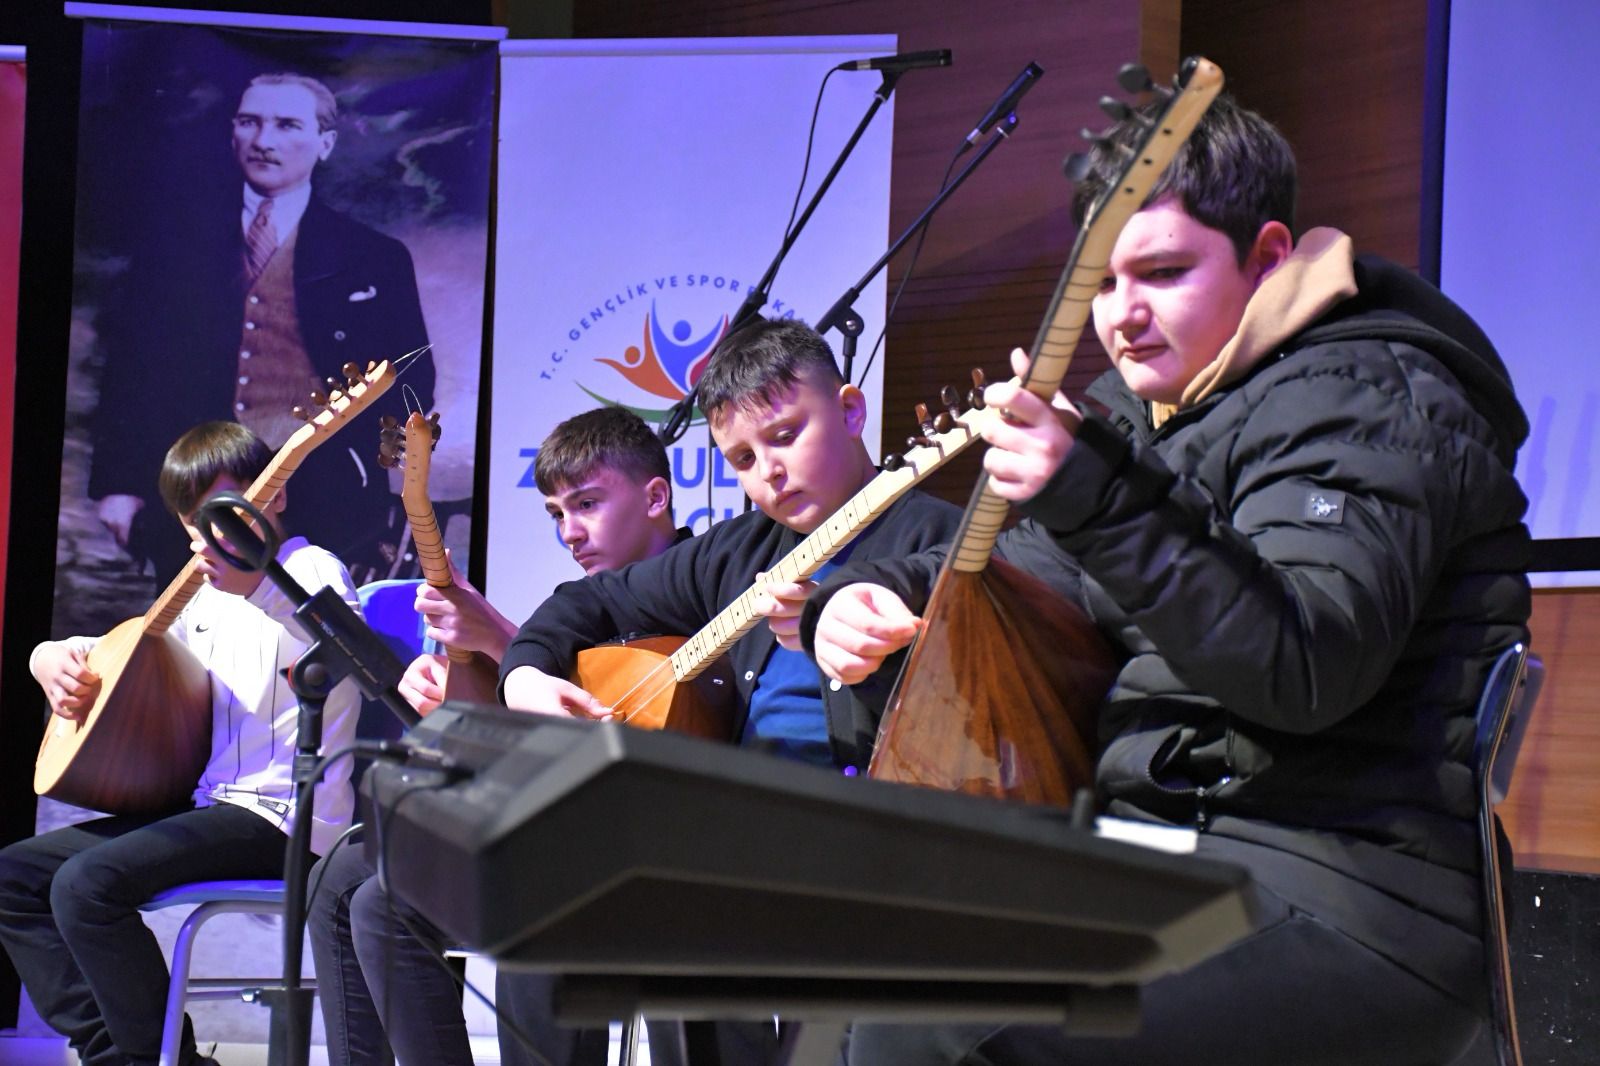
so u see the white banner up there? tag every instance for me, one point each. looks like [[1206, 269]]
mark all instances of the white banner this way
[[643, 189]]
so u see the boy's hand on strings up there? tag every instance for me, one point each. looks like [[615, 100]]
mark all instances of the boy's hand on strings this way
[[529, 689], [1030, 443], [780, 603], [422, 684], [862, 625], [459, 617], [69, 685]]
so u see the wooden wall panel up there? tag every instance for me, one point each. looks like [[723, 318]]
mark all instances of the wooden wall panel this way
[[1552, 813], [1346, 84], [998, 245]]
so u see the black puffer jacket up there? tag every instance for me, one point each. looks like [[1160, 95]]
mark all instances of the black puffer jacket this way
[[1308, 574]]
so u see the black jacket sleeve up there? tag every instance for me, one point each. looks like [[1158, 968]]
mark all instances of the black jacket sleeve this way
[[674, 593]]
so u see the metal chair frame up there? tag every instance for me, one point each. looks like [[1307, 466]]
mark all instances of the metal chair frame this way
[[1503, 711], [210, 898]]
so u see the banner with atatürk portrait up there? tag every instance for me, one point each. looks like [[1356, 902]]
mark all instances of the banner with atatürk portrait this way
[[261, 203]]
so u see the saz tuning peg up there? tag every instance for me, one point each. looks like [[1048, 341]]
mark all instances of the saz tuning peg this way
[[893, 461], [951, 400], [975, 397], [391, 442], [1186, 71], [925, 420], [433, 428], [352, 375], [301, 412], [1134, 78], [1076, 167], [1115, 109]]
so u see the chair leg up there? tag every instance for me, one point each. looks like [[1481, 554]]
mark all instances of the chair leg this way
[[178, 983], [182, 956], [631, 1027]]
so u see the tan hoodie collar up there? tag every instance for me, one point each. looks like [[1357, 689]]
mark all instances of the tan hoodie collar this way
[[1316, 277]]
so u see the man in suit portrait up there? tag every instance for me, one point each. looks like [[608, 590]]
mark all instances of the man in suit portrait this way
[[238, 302]]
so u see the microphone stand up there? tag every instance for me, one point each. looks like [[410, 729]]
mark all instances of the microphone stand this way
[[677, 421], [342, 645], [842, 315]]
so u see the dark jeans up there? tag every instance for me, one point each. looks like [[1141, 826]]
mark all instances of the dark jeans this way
[[380, 986], [69, 917], [526, 999], [1298, 991]]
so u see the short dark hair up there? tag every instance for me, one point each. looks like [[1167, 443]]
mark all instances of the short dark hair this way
[[1235, 173], [205, 453], [326, 106], [756, 362], [608, 436]]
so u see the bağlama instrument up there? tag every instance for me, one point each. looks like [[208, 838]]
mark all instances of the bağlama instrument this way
[[998, 696]]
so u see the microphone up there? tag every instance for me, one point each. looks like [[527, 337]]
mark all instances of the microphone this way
[[938, 57], [1005, 105]]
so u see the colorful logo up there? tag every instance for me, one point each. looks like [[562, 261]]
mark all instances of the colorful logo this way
[[663, 365]]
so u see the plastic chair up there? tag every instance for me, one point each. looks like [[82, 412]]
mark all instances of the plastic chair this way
[[387, 608], [1503, 713]]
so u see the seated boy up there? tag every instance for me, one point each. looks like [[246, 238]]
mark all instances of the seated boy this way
[[790, 426], [69, 899], [1298, 527], [607, 487]]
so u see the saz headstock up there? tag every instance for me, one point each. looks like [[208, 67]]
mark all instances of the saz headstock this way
[[410, 446], [1166, 127], [945, 435], [339, 405]]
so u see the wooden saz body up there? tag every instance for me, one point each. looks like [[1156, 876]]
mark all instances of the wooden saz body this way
[[621, 673], [1000, 692], [144, 743]]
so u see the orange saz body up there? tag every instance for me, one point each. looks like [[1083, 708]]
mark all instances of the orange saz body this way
[[143, 744], [624, 674], [999, 695], [684, 684], [471, 676]]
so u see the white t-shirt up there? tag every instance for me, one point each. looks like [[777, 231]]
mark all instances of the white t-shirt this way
[[245, 643]]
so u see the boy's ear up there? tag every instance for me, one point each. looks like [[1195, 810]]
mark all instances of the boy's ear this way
[[657, 496], [279, 501], [1273, 244], [854, 405]]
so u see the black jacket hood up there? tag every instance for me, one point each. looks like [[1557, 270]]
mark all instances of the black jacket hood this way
[[1393, 303]]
